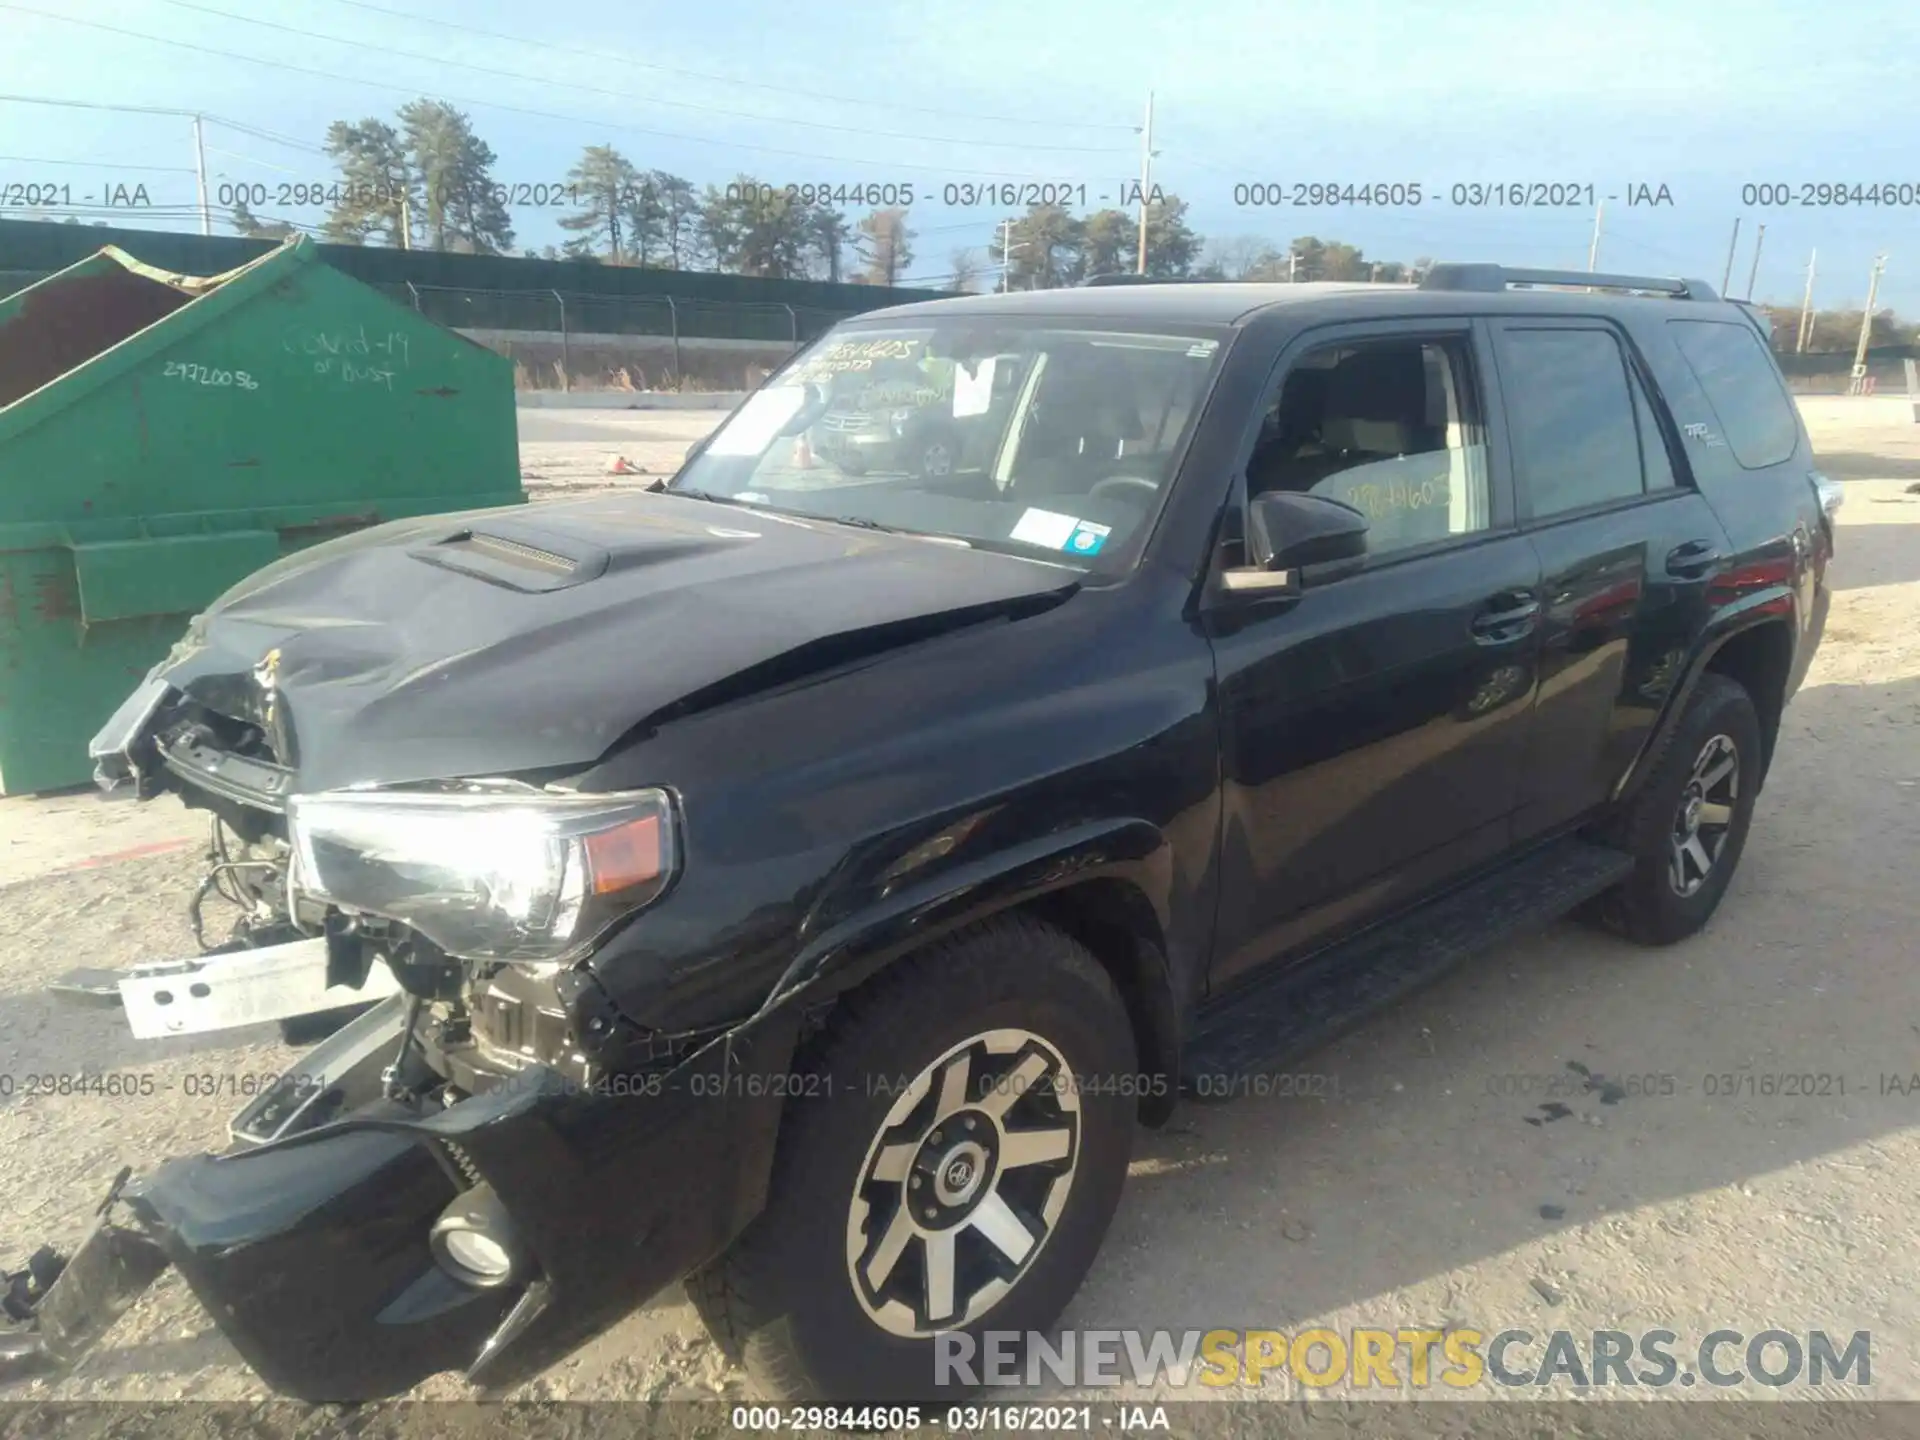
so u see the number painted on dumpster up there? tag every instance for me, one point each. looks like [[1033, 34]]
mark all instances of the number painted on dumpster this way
[[194, 374]]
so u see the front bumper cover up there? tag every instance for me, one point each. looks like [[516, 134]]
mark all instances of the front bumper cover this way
[[311, 1251]]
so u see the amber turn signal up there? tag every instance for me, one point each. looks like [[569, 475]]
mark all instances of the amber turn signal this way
[[625, 856]]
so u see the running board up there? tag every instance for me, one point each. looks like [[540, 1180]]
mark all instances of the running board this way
[[1275, 1020]]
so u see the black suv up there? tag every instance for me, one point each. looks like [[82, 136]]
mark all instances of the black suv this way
[[803, 887]]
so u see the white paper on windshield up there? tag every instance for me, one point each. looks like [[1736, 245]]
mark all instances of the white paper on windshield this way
[[973, 394], [757, 422], [1044, 527]]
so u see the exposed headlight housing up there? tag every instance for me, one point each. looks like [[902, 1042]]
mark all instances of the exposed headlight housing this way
[[1832, 494], [487, 870]]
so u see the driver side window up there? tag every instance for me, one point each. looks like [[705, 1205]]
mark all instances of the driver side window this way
[[1387, 426]]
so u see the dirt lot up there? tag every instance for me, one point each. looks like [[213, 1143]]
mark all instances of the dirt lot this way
[[1422, 1191]]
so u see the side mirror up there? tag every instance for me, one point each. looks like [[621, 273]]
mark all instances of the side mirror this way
[[1288, 533]]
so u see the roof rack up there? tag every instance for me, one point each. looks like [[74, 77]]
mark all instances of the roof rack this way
[[1499, 277], [1139, 280]]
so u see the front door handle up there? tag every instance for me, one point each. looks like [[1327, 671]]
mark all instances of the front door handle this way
[[1506, 616], [1692, 560]]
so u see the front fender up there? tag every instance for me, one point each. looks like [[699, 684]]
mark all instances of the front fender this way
[[896, 921]]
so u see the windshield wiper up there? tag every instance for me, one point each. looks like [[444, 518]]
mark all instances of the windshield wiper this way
[[702, 495], [861, 522]]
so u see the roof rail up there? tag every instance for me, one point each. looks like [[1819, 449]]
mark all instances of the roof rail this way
[[1499, 277]]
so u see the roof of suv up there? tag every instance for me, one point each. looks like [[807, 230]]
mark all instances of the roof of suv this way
[[1449, 289]]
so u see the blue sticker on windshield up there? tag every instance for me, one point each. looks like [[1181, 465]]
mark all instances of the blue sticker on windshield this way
[[1087, 538]]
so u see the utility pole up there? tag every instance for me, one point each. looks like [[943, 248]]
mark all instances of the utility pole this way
[[1593, 249], [1858, 382], [1146, 176], [1007, 247], [1806, 307], [1293, 266], [1759, 239], [406, 222], [200, 173], [1726, 277]]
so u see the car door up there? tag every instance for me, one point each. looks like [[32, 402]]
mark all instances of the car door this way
[[1627, 550], [1368, 723]]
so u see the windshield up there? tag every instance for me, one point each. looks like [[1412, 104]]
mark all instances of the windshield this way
[[1036, 439]]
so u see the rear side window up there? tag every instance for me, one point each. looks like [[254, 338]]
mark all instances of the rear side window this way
[[1738, 375], [1572, 418]]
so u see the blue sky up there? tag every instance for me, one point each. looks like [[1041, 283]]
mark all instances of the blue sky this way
[[1699, 97]]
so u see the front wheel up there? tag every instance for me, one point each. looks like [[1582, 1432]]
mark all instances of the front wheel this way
[[939, 455], [1687, 825], [953, 1172]]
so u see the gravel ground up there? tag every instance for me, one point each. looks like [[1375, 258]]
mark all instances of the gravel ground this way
[[1424, 1189]]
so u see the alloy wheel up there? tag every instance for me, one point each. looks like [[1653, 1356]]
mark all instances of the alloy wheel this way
[[1704, 817], [964, 1183], [936, 461]]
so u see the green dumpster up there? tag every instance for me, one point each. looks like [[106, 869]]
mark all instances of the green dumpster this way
[[163, 436]]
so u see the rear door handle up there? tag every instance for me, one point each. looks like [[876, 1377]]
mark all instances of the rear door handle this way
[[1692, 560], [1506, 616]]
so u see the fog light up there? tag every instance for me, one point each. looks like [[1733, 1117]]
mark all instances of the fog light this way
[[473, 1240], [477, 1254]]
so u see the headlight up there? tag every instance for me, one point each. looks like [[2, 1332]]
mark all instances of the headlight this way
[[488, 871]]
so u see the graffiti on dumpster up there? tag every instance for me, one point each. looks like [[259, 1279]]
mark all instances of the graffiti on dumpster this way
[[352, 374], [208, 375], [351, 355]]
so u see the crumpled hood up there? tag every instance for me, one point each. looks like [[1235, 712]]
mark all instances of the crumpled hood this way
[[516, 639]]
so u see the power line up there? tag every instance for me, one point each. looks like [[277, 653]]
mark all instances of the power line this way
[[249, 160], [240, 125], [94, 164], [628, 95], [727, 79], [592, 122], [91, 104], [267, 135]]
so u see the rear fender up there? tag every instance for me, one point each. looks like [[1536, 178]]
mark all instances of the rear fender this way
[[1773, 605]]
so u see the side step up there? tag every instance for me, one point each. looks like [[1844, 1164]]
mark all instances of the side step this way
[[1275, 1019]]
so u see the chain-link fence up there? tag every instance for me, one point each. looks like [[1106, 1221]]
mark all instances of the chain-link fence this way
[[591, 331]]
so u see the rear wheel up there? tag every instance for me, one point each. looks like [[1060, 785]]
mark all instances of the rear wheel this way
[[954, 1169], [1687, 825]]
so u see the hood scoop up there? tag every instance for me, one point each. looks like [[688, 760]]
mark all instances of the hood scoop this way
[[517, 559]]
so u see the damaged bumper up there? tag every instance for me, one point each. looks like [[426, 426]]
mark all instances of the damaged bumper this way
[[310, 1243], [226, 991]]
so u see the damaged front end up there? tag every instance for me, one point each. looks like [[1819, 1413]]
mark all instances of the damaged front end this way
[[481, 1170]]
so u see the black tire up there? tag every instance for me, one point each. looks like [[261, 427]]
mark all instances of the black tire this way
[[783, 1301], [1648, 907], [851, 465]]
